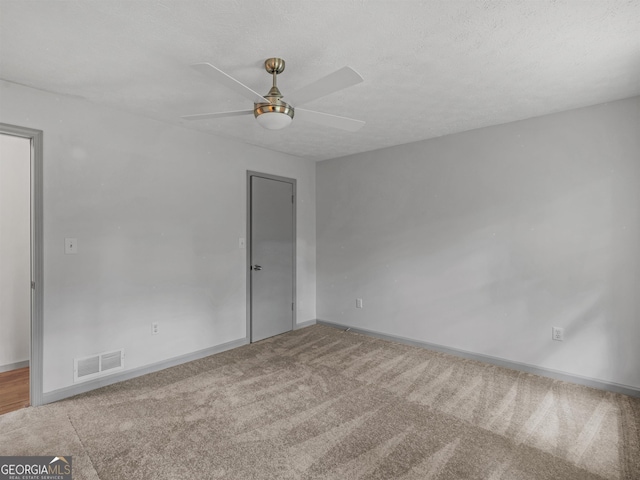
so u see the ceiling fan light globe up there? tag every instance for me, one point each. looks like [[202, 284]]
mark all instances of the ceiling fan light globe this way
[[274, 120]]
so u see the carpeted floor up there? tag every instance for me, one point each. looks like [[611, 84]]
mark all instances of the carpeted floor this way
[[325, 404]]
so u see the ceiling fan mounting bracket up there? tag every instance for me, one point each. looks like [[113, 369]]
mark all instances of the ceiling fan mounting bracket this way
[[274, 65]]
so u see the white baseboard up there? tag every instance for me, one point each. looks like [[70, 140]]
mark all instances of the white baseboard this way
[[308, 323], [14, 366], [523, 367], [72, 390]]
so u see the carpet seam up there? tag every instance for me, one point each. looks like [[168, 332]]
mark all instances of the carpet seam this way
[[83, 446]]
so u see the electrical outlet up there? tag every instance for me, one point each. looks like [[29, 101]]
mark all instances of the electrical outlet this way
[[155, 328], [557, 334], [358, 303]]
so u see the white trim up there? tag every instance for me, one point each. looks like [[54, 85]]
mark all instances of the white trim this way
[[523, 367]]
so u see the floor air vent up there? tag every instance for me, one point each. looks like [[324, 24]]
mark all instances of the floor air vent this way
[[98, 365]]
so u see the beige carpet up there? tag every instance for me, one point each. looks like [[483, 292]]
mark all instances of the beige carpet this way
[[324, 404]]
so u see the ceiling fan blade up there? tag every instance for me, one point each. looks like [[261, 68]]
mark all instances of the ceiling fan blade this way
[[343, 78], [207, 116], [328, 120], [229, 82]]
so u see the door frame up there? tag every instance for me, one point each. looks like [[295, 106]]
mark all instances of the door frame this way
[[292, 181], [37, 271]]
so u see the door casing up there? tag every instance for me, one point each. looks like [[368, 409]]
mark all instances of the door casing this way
[[292, 181], [37, 272]]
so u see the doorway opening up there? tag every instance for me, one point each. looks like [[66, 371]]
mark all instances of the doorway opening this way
[[271, 255], [21, 254]]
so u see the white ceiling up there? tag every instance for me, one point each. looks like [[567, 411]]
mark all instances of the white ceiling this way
[[431, 68]]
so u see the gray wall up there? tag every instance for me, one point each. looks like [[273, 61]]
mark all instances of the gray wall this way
[[484, 240], [157, 210]]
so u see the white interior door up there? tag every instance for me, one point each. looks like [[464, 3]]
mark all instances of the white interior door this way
[[272, 256]]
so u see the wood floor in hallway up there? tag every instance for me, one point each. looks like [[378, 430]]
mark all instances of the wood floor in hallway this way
[[14, 390]]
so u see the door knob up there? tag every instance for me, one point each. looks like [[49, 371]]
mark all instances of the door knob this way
[[257, 267]]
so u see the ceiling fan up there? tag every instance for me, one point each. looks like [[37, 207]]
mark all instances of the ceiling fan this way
[[271, 111]]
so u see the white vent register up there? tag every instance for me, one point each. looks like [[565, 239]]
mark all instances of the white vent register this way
[[97, 365]]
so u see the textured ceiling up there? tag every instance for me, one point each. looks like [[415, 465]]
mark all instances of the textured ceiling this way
[[431, 68]]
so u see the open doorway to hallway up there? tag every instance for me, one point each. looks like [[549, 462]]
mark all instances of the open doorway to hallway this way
[[15, 271]]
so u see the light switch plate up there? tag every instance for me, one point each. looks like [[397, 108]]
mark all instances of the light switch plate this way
[[70, 246]]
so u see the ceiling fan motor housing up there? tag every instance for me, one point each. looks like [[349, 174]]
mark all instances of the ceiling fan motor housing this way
[[274, 115], [275, 106]]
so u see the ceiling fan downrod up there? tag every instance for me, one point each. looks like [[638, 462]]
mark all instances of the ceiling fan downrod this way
[[275, 66]]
